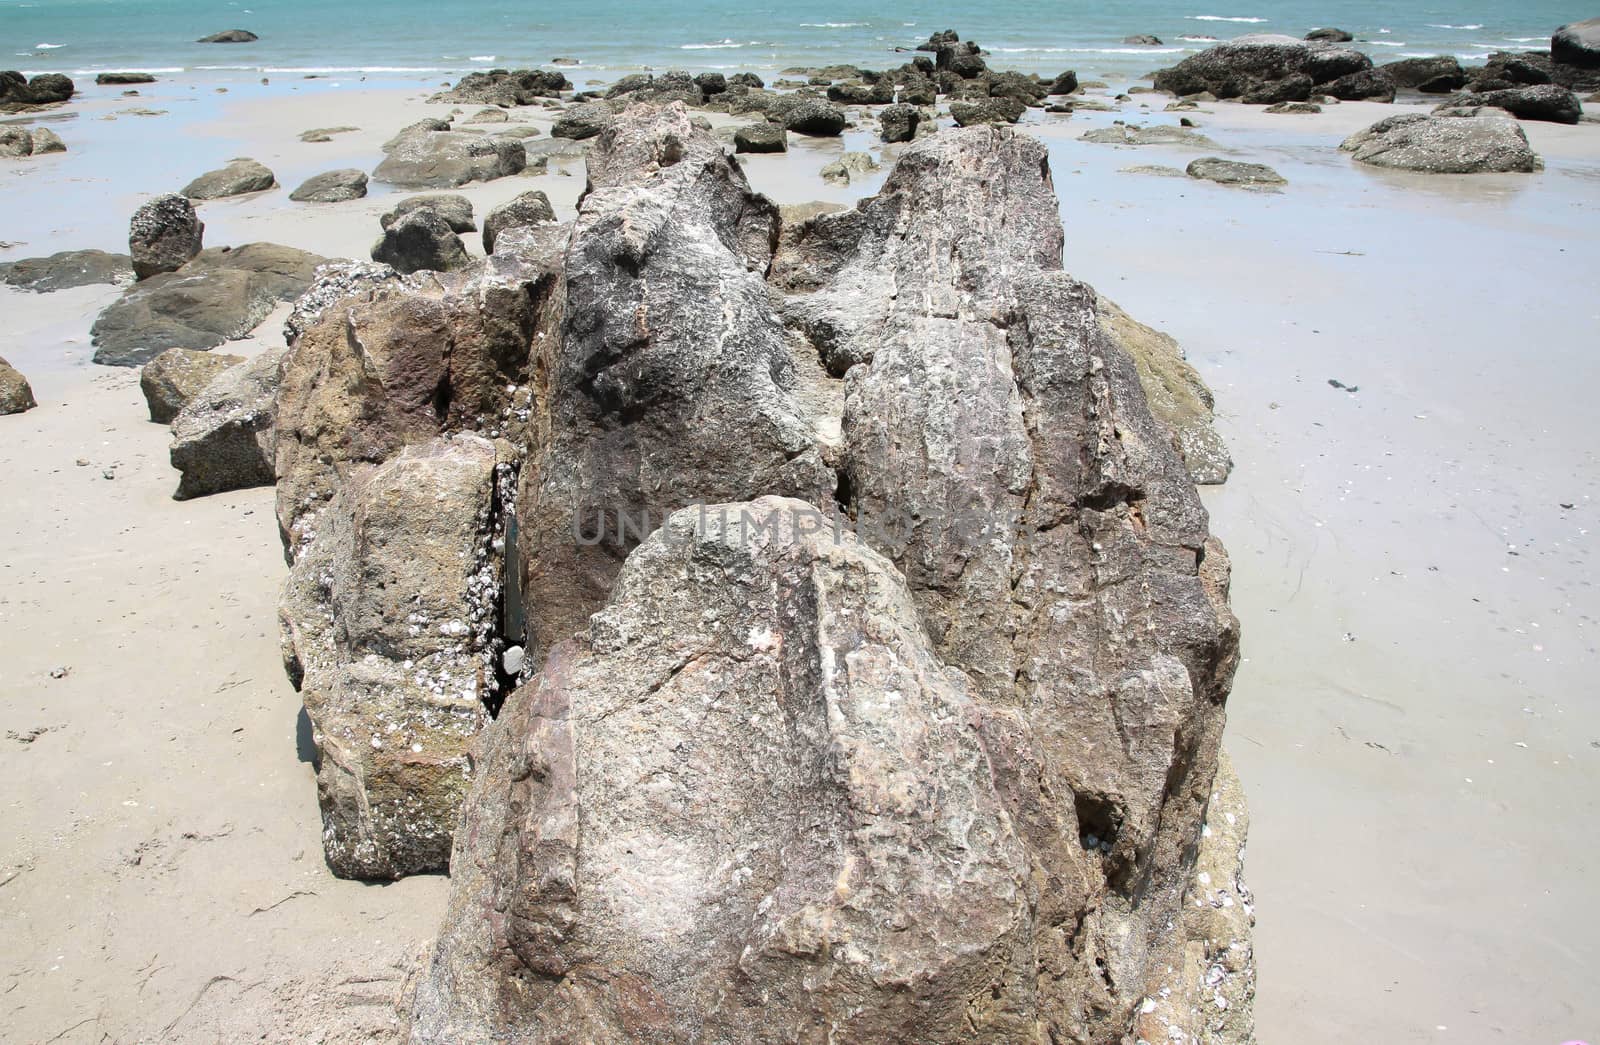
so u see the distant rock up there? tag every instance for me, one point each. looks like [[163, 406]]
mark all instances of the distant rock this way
[[899, 123], [1262, 69], [1230, 172], [15, 393], [1064, 83], [1439, 75], [20, 94], [421, 240], [760, 137], [429, 155], [987, 110], [502, 88], [584, 120], [1128, 134], [324, 134], [223, 439], [530, 208], [46, 141], [1367, 85], [1300, 108], [1444, 145], [230, 36], [1331, 36], [1142, 40], [237, 178], [164, 235], [455, 210], [848, 167], [20, 142], [221, 295], [1156, 169], [815, 118], [332, 187], [489, 115], [1545, 102], [117, 79], [176, 376], [1577, 43], [68, 269]]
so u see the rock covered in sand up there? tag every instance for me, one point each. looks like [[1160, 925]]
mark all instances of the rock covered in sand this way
[[164, 235]]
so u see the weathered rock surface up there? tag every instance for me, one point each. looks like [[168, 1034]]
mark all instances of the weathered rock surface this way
[[172, 379], [15, 393], [1295, 108], [70, 268], [976, 740], [1262, 69], [421, 240], [583, 121], [1439, 75], [530, 208], [815, 118], [20, 94], [1545, 102], [20, 142], [223, 439], [455, 210], [1445, 145], [761, 137], [847, 168], [385, 621], [1177, 396], [221, 295], [987, 110], [122, 79], [164, 235], [230, 36], [1232, 172], [502, 88], [237, 178], [431, 156], [332, 187], [1577, 43], [898, 123], [1126, 134], [1332, 36]]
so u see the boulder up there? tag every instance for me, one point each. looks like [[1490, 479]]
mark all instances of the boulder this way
[[582, 121], [989, 110], [230, 36], [711, 83], [1439, 75], [1577, 43], [1262, 69], [49, 88], [15, 394], [1331, 36], [490, 115], [15, 143], [164, 235], [815, 118], [223, 439], [530, 208], [505, 89], [760, 137], [237, 178], [1366, 85], [1506, 69], [1064, 83], [1128, 134], [222, 295], [172, 379], [70, 268], [746, 80], [385, 621], [120, 79], [1545, 102], [848, 167], [1231, 172], [898, 123], [1444, 145], [455, 210], [429, 155], [332, 187], [421, 241], [1142, 40], [324, 134]]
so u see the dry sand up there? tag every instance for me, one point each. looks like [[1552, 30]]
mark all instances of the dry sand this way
[[1416, 722]]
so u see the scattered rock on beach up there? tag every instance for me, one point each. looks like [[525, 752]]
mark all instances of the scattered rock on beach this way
[[230, 36], [1439, 75], [530, 208], [421, 240], [1128, 134], [324, 134], [332, 187], [20, 142], [490, 115], [221, 295], [237, 178], [455, 210], [584, 120], [815, 118], [1444, 145], [15, 393], [68, 269], [1331, 36], [501, 88], [1158, 170], [164, 235], [1262, 69], [1577, 43], [1545, 102], [848, 167], [898, 123], [987, 110], [760, 137], [223, 439], [119, 79], [1299, 108], [429, 155], [176, 376], [1231, 172]]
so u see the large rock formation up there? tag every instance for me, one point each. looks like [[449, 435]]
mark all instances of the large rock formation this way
[[1577, 44], [1445, 145], [1266, 69], [941, 779]]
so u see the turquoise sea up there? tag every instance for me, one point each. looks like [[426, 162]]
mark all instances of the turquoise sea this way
[[426, 37]]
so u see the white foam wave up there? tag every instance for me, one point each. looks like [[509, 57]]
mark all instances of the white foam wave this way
[[342, 69], [481, 58], [832, 25], [48, 47], [1435, 25], [1387, 43], [1090, 50], [719, 45], [1224, 18], [1199, 39], [124, 69]]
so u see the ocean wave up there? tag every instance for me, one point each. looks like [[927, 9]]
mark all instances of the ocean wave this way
[[1199, 39], [1434, 25], [48, 47], [1089, 50], [337, 69], [481, 58], [1387, 43], [1223, 18], [125, 69], [1526, 39], [832, 25], [721, 45]]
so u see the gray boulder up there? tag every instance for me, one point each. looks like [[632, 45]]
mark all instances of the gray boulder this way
[[172, 379], [385, 620], [582, 121], [20, 142], [1142, 40], [237, 178], [530, 208], [1295, 108], [46, 141], [222, 295], [987, 110], [506, 89], [1545, 102], [16, 395], [230, 36], [1129, 134], [760, 137], [1444, 145], [70, 268], [1263, 69], [1578, 44], [1231, 172], [1439, 75], [223, 439], [815, 118], [455, 210], [122, 79], [421, 241], [164, 235], [1331, 36], [847, 168], [898, 123], [332, 187], [431, 156]]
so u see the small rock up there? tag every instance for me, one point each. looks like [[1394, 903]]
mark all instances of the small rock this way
[[421, 240], [530, 208], [230, 36], [455, 210], [332, 187], [164, 235], [761, 137], [1230, 172], [176, 376], [15, 394], [237, 178]]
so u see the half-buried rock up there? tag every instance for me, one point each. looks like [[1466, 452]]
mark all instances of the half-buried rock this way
[[1445, 145], [68, 269], [385, 619], [237, 178], [176, 376], [421, 240], [332, 187], [15, 393], [223, 439]]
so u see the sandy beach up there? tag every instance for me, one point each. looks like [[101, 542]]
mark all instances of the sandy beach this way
[[1414, 719]]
